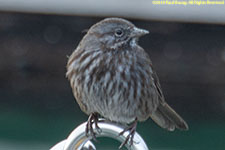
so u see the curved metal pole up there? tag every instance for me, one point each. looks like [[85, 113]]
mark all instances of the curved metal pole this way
[[60, 146], [77, 139]]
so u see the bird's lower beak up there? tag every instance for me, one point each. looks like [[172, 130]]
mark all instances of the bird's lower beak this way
[[137, 32]]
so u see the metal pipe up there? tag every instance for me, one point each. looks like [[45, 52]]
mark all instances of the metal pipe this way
[[142, 9], [77, 140]]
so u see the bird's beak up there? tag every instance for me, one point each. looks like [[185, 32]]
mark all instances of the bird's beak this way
[[137, 32]]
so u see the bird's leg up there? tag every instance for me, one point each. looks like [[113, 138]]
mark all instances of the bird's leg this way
[[92, 119], [130, 136]]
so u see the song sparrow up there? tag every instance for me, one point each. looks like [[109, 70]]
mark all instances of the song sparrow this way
[[111, 75]]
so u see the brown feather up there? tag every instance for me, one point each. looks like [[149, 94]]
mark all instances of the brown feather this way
[[167, 118]]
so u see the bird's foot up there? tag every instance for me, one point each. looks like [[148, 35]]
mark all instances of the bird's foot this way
[[130, 136], [93, 119]]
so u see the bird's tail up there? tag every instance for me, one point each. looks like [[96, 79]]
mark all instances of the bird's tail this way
[[167, 118]]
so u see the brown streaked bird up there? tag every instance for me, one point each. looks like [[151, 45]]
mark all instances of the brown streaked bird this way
[[112, 76]]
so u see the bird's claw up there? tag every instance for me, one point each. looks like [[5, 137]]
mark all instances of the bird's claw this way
[[130, 136], [93, 119]]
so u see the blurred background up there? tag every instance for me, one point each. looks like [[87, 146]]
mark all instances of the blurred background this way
[[37, 108]]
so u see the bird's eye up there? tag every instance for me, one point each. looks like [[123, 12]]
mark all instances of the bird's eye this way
[[119, 32]]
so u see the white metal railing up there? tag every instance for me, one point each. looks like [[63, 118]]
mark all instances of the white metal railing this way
[[142, 9], [78, 140]]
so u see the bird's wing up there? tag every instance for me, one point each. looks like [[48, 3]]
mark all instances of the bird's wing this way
[[164, 115], [157, 85]]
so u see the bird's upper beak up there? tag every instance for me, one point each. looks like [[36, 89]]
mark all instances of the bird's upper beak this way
[[137, 32]]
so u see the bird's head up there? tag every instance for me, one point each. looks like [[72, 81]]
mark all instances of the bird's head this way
[[114, 33]]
